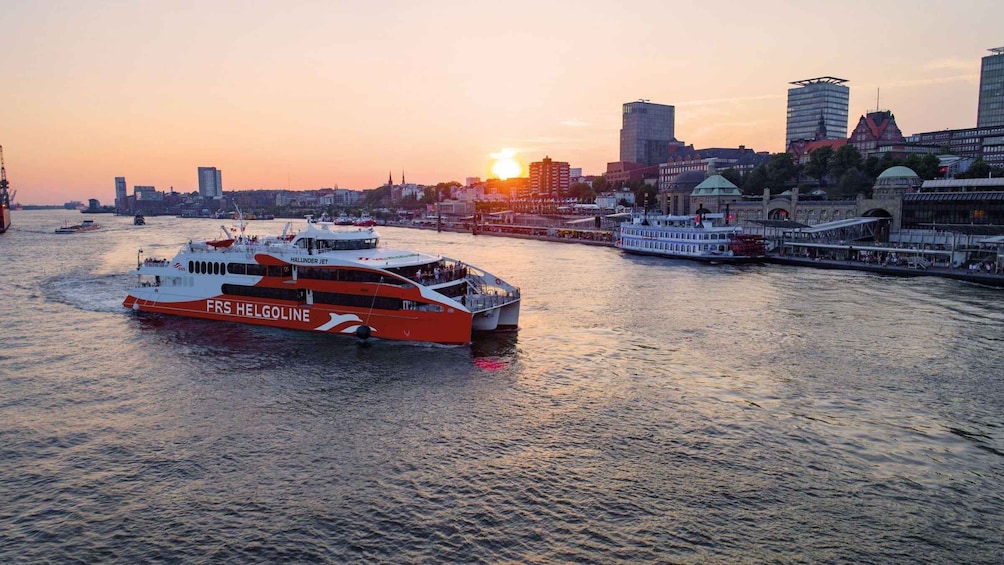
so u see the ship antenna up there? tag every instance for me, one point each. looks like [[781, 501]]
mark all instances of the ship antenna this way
[[240, 219]]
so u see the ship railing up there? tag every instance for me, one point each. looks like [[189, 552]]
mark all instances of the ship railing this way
[[447, 270], [482, 302], [486, 291]]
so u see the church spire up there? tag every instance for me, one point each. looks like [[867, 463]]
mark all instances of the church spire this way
[[390, 179], [821, 128], [402, 177]]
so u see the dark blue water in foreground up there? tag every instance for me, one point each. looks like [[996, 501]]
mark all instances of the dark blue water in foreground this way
[[647, 410]]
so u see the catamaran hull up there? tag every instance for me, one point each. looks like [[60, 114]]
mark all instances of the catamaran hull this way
[[450, 327], [715, 259]]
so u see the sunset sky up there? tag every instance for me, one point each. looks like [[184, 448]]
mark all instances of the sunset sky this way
[[305, 95]]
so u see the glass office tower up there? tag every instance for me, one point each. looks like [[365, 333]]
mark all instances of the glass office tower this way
[[817, 106], [991, 109], [647, 131]]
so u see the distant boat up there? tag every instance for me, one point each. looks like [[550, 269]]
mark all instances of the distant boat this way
[[86, 225], [364, 221], [138, 220]]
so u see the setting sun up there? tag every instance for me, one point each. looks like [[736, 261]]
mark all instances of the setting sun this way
[[505, 165]]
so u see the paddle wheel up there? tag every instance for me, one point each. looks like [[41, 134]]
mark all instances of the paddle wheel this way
[[747, 245]]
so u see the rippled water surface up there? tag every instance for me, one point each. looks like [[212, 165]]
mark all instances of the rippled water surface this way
[[647, 410]]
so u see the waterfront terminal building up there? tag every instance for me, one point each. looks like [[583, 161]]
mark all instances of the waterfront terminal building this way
[[902, 208]]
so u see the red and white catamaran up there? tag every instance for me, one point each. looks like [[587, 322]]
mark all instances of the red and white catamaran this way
[[327, 279]]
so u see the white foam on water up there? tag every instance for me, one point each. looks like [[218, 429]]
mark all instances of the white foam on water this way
[[94, 293]]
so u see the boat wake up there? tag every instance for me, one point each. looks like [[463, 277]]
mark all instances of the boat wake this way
[[93, 293]]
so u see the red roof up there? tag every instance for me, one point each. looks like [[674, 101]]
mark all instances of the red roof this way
[[832, 143], [877, 123]]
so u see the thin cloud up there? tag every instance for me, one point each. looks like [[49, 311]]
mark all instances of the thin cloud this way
[[969, 77], [735, 100], [949, 64], [575, 123]]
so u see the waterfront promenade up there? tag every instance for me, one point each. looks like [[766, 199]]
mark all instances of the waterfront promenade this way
[[539, 232], [960, 274], [605, 238]]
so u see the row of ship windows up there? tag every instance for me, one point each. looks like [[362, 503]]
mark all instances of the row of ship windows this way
[[286, 271], [346, 275], [677, 247], [680, 236], [337, 245], [332, 298], [213, 268]]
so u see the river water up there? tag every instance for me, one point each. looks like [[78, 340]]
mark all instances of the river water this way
[[647, 410]]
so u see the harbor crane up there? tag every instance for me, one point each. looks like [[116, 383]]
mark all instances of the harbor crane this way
[[4, 197]]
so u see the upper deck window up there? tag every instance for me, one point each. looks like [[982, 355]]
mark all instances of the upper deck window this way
[[322, 245]]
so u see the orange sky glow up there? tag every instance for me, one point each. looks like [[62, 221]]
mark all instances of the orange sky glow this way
[[305, 95]]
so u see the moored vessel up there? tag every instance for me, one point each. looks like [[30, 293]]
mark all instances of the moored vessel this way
[[4, 196], [709, 237], [327, 279]]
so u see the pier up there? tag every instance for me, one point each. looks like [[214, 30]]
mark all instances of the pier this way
[[978, 263]]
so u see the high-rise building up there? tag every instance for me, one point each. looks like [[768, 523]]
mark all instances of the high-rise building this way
[[991, 109], [210, 182], [121, 195], [817, 109], [549, 179], [647, 131]]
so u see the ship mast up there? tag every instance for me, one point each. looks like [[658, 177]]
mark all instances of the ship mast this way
[[4, 196]]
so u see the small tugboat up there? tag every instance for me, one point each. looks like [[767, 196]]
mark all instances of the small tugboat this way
[[86, 225], [327, 279], [138, 220]]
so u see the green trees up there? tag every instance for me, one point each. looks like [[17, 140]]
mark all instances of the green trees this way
[[852, 183], [756, 181], [600, 184], [926, 166], [818, 166], [980, 170], [780, 169], [644, 194], [583, 192], [844, 159], [733, 176], [373, 198], [842, 171], [775, 174]]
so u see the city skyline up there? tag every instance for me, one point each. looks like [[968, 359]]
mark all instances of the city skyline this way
[[301, 96]]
